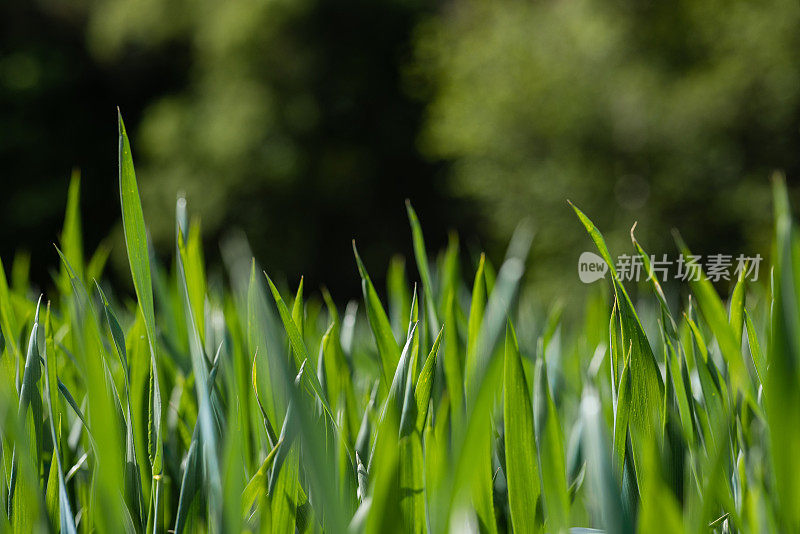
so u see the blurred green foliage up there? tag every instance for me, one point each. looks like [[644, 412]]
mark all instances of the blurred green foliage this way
[[293, 125], [670, 113], [286, 119], [308, 122]]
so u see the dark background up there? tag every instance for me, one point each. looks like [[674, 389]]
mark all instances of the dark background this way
[[308, 123]]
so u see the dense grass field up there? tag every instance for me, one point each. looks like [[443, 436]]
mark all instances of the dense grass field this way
[[232, 403]]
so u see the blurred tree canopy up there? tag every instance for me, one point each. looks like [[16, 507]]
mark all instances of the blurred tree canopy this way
[[672, 113], [307, 122]]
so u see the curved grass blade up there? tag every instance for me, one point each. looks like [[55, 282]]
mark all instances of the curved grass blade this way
[[258, 482]]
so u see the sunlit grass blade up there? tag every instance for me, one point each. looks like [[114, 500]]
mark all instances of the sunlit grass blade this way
[[647, 386], [139, 260]]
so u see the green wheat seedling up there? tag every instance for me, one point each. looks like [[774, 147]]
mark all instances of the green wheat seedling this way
[[239, 406]]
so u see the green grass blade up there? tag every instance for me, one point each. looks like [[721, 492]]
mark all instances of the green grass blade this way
[[8, 321], [614, 515], [379, 323], [393, 404], [622, 417], [116, 332], [66, 516], [208, 431], [412, 502], [399, 297], [422, 264], [782, 396], [139, 260], [647, 386], [71, 234], [385, 514], [135, 234], [550, 444], [257, 320], [759, 361], [422, 393], [258, 482], [476, 309], [192, 479], [453, 374], [737, 307], [299, 348], [714, 313], [472, 442], [522, 472], [22, 494], [284, 484]]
